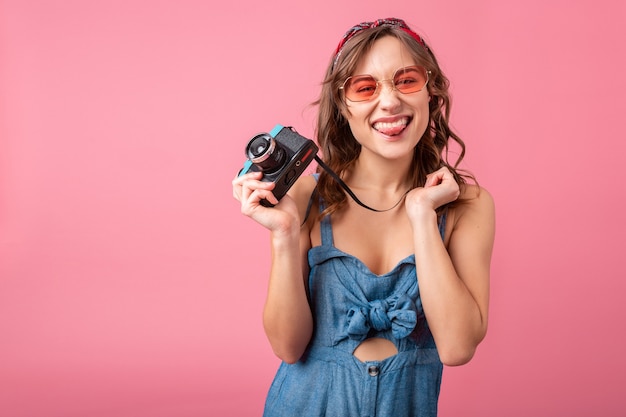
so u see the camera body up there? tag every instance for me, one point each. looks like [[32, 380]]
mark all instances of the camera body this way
[[282, 155]]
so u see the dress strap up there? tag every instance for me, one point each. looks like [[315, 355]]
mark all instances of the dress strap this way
[[325, 227]]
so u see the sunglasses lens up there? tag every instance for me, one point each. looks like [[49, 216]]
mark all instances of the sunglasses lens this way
[[360, 88], [410, 79]]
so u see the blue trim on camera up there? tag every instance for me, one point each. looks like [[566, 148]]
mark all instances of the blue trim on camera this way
[[246, 167], [276, 130]]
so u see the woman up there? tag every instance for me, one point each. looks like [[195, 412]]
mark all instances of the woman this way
[[369, 296]]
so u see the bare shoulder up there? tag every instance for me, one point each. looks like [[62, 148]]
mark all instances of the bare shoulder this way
[[474, 212], [474, 197], [470, 238]]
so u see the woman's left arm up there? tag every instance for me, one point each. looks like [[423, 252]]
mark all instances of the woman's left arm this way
[[453, 281]]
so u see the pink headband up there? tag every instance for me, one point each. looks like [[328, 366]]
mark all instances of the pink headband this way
[[399, 23]]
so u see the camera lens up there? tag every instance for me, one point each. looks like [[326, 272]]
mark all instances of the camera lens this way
[[265, 152]]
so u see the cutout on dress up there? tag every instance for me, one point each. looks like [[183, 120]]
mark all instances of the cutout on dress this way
[[375, 349]]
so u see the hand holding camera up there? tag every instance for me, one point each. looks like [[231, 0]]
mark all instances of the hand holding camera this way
[[281, 155]]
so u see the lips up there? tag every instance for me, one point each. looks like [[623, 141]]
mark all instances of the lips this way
[[391, 128]]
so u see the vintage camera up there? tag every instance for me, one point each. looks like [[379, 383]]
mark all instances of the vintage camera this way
[[282, 155]]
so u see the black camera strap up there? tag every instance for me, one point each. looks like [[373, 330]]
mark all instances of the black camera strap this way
[[349, 191]]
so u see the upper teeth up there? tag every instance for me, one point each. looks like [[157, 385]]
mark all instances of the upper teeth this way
[[390, 125]]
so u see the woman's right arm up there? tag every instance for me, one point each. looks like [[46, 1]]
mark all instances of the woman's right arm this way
[[287, 315]]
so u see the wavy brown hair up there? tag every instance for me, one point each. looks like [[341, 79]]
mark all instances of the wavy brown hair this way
[[340, 149]]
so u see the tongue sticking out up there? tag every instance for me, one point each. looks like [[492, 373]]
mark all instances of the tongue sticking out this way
[[390, 131]]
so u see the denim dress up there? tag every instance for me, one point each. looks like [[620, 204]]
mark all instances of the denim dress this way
[[350, 304]]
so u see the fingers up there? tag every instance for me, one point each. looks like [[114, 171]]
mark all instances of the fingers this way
[[439, 188], [246, 182], [250, 190], [251, 204], [437, 177], [433, 179]]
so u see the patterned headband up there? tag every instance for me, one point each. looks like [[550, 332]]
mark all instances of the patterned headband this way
[[399, 23]]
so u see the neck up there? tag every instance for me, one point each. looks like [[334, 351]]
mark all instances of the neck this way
[[383, 176]]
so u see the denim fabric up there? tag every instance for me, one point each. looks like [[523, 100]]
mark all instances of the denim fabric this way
[[350, 304]]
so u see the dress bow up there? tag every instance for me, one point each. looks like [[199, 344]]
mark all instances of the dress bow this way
[[396, 313]]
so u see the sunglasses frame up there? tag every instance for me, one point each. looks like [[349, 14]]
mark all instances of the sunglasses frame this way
[[380, 82]]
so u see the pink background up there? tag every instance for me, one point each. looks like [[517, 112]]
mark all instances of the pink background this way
[[130, 285]]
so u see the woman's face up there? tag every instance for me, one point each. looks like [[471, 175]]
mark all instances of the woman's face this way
[[390, 124]]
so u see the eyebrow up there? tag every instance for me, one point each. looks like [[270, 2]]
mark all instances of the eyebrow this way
[[360, 76]]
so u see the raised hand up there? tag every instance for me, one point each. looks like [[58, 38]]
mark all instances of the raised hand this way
[[249, 190], [440, 188]]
